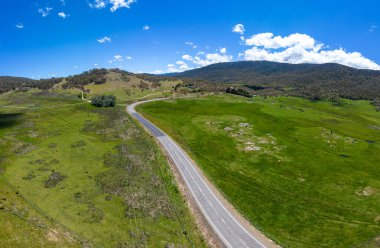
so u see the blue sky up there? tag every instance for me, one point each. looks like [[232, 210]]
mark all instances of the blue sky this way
[[43, 38]]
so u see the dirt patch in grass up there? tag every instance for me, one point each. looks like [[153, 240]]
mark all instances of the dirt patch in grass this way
[[367, 191]]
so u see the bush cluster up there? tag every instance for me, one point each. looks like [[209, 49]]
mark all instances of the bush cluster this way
[[104, 101]]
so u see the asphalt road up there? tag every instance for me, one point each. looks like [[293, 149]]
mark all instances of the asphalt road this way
[[226, 226]]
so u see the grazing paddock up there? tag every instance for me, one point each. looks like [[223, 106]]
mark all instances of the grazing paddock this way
[[76, 174], [305, 173]]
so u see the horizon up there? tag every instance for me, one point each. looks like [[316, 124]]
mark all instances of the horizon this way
[[171, 73], [144, 37]]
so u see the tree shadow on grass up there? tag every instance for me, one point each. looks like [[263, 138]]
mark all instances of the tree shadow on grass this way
[[9, 120]]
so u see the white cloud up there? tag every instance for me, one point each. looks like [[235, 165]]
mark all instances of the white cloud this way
[[104, 39], [118, 57], [267, 40], [372, 28], [208, 59], [171, 68], [301, 48], [182, 65], [201, 59], [98, 4], [179, 66], [146, 27], [63, 15], [116, 4], [45, 12], [238, 28], [223, 50], [20, 26], [63, 2], [190, 43]]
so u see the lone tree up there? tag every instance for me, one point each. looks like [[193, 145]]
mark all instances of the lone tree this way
[[104, 101]]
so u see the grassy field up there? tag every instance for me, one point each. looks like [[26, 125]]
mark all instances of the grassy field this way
[[305, 173], [73, 175]]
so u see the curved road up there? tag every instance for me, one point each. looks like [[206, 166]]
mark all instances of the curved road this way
[[229, 230]]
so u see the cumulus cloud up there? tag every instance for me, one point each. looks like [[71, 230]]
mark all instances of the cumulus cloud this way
[[301, 48], [182, 65], [63, 15], [238, 28], [190, 43], [207, 59], [98, 4], [146, 27], [200, 59], [179, 66], [44, 12], [20, 26], [104, 39], [118, 59], [115, 4], [268, 40], [372, 28]]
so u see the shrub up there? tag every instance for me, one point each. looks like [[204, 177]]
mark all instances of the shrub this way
[[54, 179], [104, 101], [240, 92]]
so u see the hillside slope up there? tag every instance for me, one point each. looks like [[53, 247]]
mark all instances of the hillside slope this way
[[97, 81], [304, 79]]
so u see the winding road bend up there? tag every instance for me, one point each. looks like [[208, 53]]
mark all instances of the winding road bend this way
[[230, 231]]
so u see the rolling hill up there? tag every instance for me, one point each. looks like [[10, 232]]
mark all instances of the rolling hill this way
[[298, 79]]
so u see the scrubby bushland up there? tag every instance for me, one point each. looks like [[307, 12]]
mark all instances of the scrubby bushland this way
[[238, 91], [104, 101], [376, 103], [96, 76], [23, 84]]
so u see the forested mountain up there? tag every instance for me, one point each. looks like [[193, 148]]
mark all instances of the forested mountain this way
[[326, 81], [310, 80]]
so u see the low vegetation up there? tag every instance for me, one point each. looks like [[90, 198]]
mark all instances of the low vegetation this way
[[238, 91], [104, 101], [73, 175], [304, 172]]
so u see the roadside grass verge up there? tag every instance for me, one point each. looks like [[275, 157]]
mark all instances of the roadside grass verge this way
[[305, 173]]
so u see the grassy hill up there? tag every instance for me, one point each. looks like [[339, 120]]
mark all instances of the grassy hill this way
[[122, 84], [310, 80], [73, 175]]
